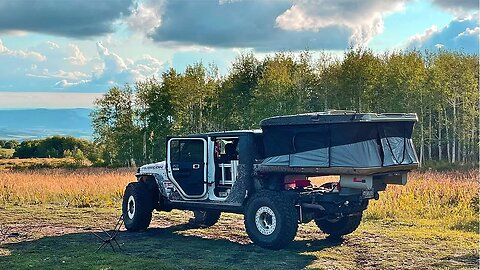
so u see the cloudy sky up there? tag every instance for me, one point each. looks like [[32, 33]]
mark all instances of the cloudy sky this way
[[65, 53]]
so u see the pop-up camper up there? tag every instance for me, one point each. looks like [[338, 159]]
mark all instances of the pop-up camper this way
[[339, 143]]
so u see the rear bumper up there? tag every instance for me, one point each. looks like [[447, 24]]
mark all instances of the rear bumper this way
[[332, 203]]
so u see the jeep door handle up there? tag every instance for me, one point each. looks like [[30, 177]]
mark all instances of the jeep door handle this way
[[196, 166]]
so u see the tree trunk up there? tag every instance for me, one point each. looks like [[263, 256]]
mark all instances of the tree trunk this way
[[325, 101], [429, 135], [468, 144], [472, 145], [439, 141], [145, 144], [447, 137], [152, 145], [201, 116], [459, 150], [422, 152], [454, 132], [464, 148], [464, 133]]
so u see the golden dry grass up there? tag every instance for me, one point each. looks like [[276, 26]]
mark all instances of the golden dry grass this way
[[80, 187], [447, 199]]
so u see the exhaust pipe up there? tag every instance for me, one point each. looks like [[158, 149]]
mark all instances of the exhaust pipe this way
[[313, 206]]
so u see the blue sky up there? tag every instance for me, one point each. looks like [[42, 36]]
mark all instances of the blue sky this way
[[79, 49]]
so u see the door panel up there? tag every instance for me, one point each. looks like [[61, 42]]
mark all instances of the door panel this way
[[186, 161]]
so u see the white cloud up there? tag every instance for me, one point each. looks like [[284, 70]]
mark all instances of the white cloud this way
[[364, 18], [459, 34], [21, 53], [65, 83], [112, 61], [77, 57], [422, 37], [146, 67], [267, 25], [112, 70], [52, 45], [146, 17], [47, 100], [470, 32], [118, 70], [223, 2], [15, 33], [179, 47], [60, 74]]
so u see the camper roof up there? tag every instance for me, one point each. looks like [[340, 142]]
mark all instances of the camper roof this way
[[336, 117]]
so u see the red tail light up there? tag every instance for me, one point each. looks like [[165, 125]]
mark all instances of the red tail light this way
[[296, 181], [302, 183]]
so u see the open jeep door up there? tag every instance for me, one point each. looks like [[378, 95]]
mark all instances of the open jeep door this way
[[186, 163]]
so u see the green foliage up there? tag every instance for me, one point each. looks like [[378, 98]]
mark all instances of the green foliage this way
[[8, 144], [58, 147], [115, 128], [6, 153], [236, 93], [131, 123], [77, 155]]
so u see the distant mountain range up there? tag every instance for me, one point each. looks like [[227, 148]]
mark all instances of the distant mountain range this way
[[40, 123]]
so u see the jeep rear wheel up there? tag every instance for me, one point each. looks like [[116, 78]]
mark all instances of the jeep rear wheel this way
[[137, 207], [338, 227], [271, 219]]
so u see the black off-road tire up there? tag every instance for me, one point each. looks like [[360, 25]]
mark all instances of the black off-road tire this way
[[342, 226], [286, 219], [137, 218], [205, 219]]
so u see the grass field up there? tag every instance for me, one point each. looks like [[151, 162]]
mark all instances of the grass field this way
[[47, 216], [37, 163], [65, 187]]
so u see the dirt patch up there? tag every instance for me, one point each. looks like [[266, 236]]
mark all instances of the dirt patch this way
[[62, 234]]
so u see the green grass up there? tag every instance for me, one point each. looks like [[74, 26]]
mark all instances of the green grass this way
[[54, 237]]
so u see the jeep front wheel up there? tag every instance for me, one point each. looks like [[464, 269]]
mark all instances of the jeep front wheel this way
[[271, 219], [137, 207]]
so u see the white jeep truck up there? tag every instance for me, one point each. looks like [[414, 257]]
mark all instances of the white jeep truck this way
[[266, 174]]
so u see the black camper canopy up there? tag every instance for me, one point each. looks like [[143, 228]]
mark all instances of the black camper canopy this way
[[339, 139]]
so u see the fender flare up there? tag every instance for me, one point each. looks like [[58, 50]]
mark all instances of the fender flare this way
[[158, 181]]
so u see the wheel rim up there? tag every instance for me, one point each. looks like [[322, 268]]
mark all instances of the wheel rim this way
[[131, 207], [265, 220]]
